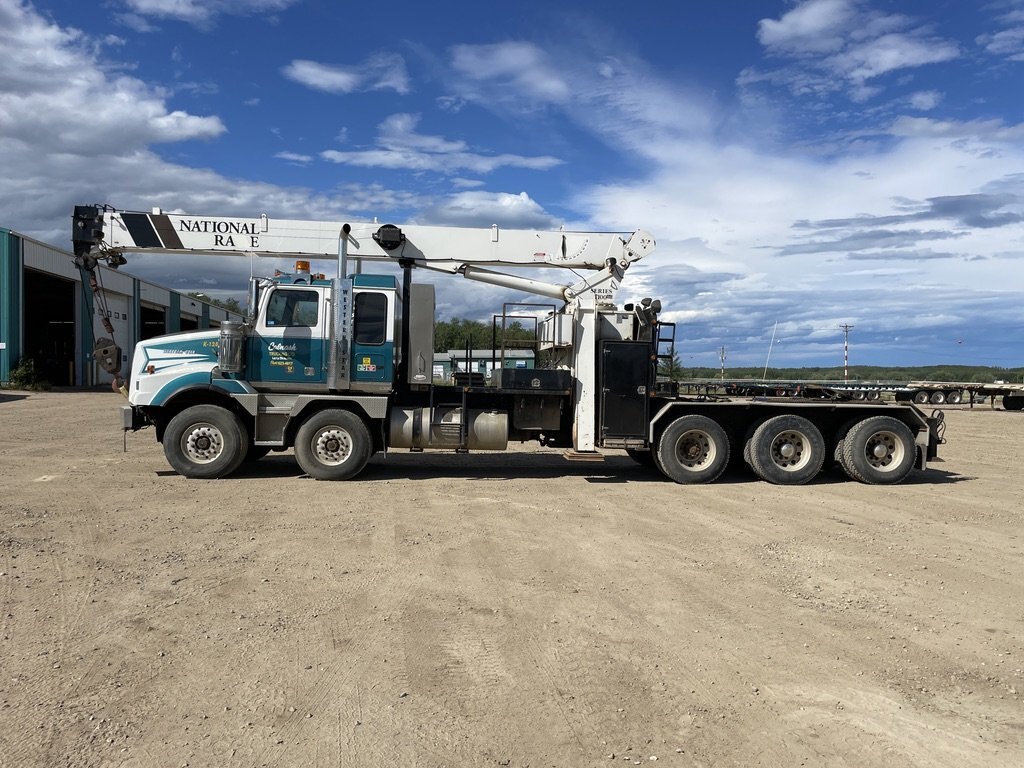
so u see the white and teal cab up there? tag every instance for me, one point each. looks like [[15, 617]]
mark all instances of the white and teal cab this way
[[316, 336], [290, 346]]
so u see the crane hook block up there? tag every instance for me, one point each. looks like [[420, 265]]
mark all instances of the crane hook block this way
[[108, 355]]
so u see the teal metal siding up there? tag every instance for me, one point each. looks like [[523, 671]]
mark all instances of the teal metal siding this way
[[10, 302], [85, 338], [174, 314]]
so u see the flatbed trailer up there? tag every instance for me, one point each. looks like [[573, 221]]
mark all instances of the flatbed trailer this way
[[917, 392]]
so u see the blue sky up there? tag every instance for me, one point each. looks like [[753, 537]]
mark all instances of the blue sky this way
[[805, 164]]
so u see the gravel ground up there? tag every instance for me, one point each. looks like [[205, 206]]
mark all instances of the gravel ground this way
[[511, 609]]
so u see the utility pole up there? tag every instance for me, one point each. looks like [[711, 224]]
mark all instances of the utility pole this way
[[721, 355], [846, 328]]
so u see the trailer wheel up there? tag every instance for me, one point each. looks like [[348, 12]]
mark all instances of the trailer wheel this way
[[955, 397], [333, 445], [937, 398], [693, 449], [874, 395], [787, 450], [878, 451], [205, 442], [1013, 402], [921, 397]]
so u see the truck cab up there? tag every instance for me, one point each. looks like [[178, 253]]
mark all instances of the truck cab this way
[[290, 342]]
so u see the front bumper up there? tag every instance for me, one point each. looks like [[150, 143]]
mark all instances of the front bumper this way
[[133, 418]]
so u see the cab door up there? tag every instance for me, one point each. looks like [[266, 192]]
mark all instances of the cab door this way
[[287, 349], [373, 347]]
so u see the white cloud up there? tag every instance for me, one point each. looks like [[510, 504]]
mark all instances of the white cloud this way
[[294, 157], [379, 72], [50, 78], [838, 45], [925, 101], [1008, 41], [522, 69], [873, 58], [818, 26], [203, 11], [992, 130], [482, 209], [400, 147]]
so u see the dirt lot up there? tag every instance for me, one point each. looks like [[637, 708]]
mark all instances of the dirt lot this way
[[511, 609]]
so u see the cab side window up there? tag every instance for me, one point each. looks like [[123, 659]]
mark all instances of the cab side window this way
[[288, 309], [371, 316]]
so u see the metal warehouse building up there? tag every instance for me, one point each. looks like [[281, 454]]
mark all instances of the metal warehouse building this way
[[47, 313]]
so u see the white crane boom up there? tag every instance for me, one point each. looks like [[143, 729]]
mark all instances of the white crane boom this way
[[113, 233]]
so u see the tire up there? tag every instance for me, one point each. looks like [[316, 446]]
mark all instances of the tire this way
[[874, 395], [858, 394], [693, 449], [333, 445], [878, 451], [921, 397], [1013, 402], [954, 397], [787, 450], [937, 398], [205, 442], [641, 457]]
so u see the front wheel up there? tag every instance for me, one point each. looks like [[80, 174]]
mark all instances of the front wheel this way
[[693, 449], [879, 451], [787, 450], [205, 442], [333, 445]]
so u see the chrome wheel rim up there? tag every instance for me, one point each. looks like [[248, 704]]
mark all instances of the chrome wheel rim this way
[[203, 443], [333, 446]]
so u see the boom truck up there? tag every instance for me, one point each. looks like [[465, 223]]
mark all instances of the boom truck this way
[[340, 368]]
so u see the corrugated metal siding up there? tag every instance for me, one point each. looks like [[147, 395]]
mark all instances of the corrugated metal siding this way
[[154, 294], [124, 294]]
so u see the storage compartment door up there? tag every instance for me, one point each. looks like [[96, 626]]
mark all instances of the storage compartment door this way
[[625, 382]]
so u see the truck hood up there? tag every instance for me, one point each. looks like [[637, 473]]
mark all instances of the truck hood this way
[[165, 364]]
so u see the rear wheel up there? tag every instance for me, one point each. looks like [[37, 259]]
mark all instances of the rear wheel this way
[[333, 445], [787, 450], [921, 397], [954, 397], [937, 398], [879, 451], [693, 449], [205, 442]]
